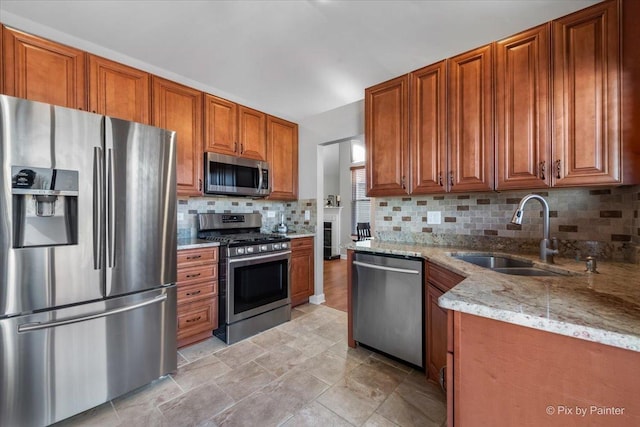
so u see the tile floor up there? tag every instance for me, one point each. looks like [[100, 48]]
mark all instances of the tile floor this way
[[301, 373]]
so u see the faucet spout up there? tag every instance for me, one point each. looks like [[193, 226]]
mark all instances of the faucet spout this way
[[546, 253]]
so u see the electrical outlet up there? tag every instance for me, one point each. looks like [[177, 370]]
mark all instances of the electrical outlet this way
[[271, 214], [434, 217], [307, 215]]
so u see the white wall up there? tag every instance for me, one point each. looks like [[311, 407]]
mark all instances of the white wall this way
[[331, 157]]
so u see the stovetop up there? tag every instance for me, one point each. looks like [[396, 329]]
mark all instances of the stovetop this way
[[241, 239]]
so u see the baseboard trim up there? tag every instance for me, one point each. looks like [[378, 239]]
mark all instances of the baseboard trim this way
[[316, 299]]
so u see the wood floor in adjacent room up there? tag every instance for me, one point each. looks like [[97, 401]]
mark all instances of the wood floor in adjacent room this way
[[335, 284]]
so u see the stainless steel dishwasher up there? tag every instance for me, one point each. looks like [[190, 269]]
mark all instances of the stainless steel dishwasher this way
[[388, 305]]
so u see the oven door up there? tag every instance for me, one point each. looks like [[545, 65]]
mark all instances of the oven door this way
[[256, 284]]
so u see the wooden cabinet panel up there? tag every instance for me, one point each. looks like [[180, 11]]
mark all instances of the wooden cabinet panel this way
[[436, 331], [282, 149], [179, 108], [586, 83], [252, 133], [118, 91], [197, 279], [428, 136], [523, 138], [386, 137], [302, 270], [441, 277], [470, 100], [221, 126], [40, 70]]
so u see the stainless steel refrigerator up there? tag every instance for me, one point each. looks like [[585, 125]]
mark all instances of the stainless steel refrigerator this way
[[87, 259]]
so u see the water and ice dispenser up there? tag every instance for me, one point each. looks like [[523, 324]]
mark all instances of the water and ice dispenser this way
[[45, 206]]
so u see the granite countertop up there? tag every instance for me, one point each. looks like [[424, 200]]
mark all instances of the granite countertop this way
[[296, 235], [601, 307], [194, 243]]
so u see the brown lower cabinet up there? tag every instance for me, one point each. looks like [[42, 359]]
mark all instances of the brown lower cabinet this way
[[302, 282], [438, 281], [197, 294], [511, 375]]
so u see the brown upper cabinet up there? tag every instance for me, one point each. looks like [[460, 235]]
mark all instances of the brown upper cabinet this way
[[586, 97], [523, 134], [118, 91], [177, 107], [428, 132], [234, 129], [470, 121], [282, 149], [40, 70], [387, 137]]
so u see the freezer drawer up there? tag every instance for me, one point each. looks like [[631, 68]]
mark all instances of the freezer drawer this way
[[388, 305], [59, 363]]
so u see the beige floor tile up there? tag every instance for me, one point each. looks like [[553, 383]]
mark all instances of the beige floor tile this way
[[329, 367], [351, 405], [240, 353], [100, 416], [332, 331], [140, 401], [296, 389], [201, 371], [308, 308], [394, 363], [316, 415], [376, 380], [295, 313], [376, 420], [196, 406], [153, 418], [426, 397], [405, 414], [341, 348], [310, 344], [244, 380], [279, 361], [181, 360], [260, 409], [272, 338], [202, 349]]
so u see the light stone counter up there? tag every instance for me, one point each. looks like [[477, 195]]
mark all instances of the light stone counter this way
[[603, 307], [299, 235], [195, 243]]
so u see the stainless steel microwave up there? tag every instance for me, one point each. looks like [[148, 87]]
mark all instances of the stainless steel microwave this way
[[235, 176]]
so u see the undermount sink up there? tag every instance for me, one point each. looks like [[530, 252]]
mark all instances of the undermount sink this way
[[506, 265]]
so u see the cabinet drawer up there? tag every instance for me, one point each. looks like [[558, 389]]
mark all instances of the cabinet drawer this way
[[302, 242], [190, 293], [191, 257], [442, 278], [205, 273], [197, 317]]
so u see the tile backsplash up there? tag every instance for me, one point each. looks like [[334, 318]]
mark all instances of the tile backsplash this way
[[294, 212], [602, 221]]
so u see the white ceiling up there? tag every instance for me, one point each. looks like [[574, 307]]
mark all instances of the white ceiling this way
[[293, 58]]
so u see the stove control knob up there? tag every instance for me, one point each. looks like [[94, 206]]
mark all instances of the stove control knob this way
[[249, 249], [240, 251], [264, 248], [277, 246], [285, 245]]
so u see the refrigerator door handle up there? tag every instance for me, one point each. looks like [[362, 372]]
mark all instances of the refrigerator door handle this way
[[98, 208], [111, 211], [28, 327]]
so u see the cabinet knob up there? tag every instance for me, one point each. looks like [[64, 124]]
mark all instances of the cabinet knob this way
[[194, 257], [542, 170], [194, 319], [403, 183], [241, 148], [191, 276], [440, 178], [235, 147], [193, 293], [558, 169], [451, 178], [200, 185], [442, 378]]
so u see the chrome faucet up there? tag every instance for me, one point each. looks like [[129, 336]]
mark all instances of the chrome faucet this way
[[546, 253]]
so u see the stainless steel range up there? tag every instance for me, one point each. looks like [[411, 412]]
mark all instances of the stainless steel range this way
[[254, 274]]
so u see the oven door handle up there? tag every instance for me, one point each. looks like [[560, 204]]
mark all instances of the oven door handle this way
[[259, 257]]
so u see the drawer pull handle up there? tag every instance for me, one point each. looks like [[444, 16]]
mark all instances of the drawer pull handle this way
[[191, 276], [194, 293], [194, 257], [194, 320]]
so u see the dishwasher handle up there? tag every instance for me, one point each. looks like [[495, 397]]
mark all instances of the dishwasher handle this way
[[385, 268]]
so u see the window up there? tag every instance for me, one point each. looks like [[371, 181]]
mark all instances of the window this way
[[360, 203]]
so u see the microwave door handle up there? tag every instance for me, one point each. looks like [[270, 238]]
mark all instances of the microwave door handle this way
[[260, 179]]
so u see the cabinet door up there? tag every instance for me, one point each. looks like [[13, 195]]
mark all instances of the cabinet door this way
[[252, 133], [386, 137], [41, 70], [179, 108], [282, 149], [428, 136], [301, 270], [586, 83], [471, 121], [436, 333], [523, 138], [118, 91], [221, 126]]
